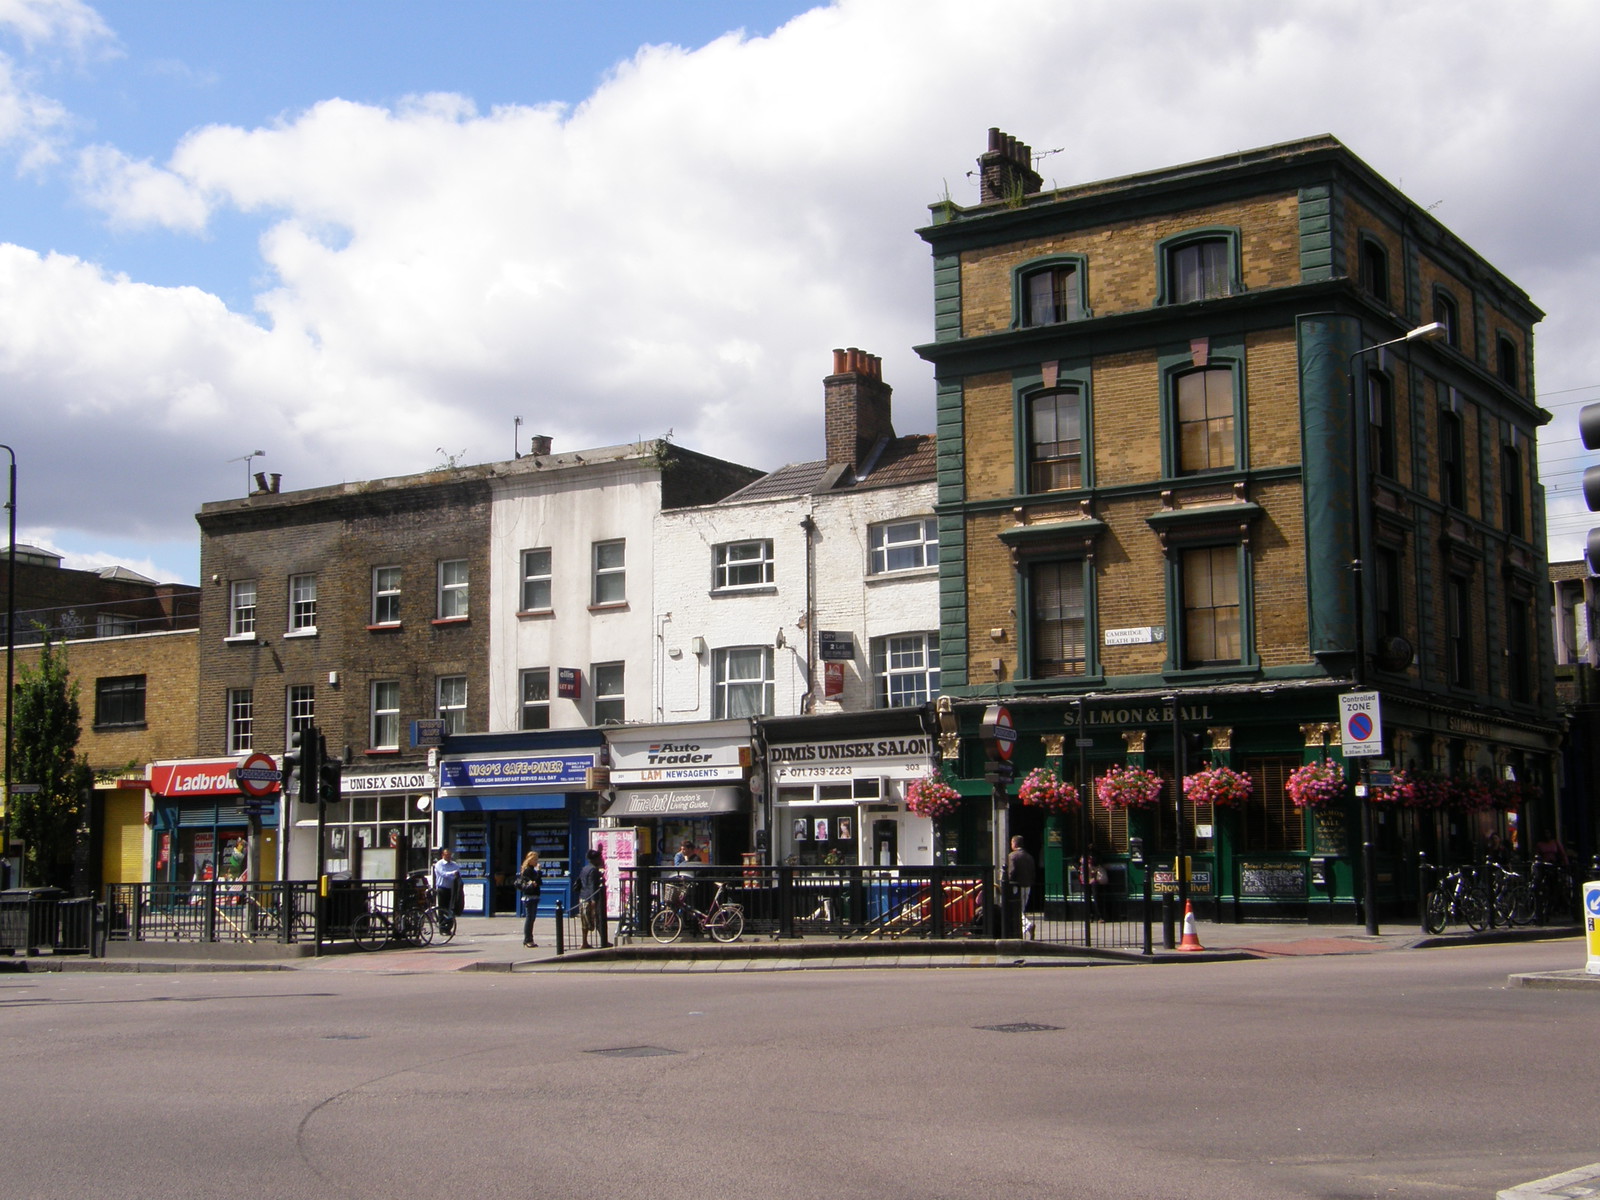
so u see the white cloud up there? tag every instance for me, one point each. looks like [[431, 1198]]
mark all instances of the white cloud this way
[[32, 125], [684, 248], [133, 194]]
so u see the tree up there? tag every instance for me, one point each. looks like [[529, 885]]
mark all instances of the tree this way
[[44, 747]]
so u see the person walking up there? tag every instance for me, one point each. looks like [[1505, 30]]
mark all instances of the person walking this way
[[591, 895], [1021, 870], [529, 882]]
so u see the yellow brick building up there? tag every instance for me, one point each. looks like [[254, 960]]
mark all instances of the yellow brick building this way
[[1200, 475]]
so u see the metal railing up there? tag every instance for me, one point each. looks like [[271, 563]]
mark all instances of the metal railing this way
[[867, 903], [220, 911], [46, 921]]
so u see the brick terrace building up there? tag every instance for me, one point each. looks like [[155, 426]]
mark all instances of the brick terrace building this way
[[1146, 482], [368, 606], [132, 654]]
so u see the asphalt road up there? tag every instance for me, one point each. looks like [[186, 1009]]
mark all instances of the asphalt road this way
[[1407, 1074]]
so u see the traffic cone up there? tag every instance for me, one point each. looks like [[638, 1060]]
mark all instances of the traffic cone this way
[[1191, 937]]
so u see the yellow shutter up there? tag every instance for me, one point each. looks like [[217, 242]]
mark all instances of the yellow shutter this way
[[122, 857]]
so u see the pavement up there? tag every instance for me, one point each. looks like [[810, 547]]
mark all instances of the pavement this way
[[495, 944]]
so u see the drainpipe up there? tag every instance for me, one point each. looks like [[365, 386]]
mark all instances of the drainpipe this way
[[809, 698]]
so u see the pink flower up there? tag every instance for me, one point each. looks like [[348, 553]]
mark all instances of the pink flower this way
[[931, 796], [1129, 787], [1042, 789], [1218, 785]]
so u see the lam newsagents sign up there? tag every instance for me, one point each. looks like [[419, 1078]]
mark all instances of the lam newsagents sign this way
[[557, 770]]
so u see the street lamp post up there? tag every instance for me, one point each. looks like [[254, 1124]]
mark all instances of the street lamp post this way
[[1358, 670], [11, 641]]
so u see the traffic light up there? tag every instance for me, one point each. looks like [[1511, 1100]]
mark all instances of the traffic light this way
[[1589, 430], [308, 744], [294, 762], [330, 774]]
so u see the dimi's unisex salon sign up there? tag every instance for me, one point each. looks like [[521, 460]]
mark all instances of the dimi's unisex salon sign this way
[[891, 758]]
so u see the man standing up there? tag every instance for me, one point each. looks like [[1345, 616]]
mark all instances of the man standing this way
[[592, 898], [447, 888], [1021, 871]]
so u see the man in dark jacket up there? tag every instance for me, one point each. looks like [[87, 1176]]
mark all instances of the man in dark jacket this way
[[1021, 871], [592, 898]]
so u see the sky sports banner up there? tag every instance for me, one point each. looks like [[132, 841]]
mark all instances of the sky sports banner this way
[[517, 770]]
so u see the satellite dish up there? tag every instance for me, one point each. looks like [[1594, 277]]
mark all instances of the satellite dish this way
[[1394, 653]]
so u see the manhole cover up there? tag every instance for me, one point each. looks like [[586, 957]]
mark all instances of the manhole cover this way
[[1019, 1027], [632, 1052]]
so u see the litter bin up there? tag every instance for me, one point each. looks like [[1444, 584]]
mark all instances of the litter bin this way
[[28, 918], [347, 900]]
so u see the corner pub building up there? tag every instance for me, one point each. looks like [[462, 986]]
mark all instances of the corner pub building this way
[[1176, 411]]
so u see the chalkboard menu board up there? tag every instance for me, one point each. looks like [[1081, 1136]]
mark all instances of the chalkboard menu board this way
[[1276, 879], [1331, 835]]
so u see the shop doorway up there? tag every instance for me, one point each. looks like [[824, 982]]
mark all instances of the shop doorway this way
[[504, 857]]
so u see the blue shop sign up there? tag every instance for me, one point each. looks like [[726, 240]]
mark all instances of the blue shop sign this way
[[560, 770]]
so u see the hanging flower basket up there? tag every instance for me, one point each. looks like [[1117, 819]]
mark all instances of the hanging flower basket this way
[[1220, 786], [1511, 794], [1316, 785], [931, 796], [1415, 789], [1471, 794], [1129, 787], [1042, 789]]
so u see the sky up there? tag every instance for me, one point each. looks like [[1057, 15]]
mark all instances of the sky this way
[[364, 238]]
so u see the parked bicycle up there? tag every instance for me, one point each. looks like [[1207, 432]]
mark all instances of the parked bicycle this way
[[723, 920], [418, 921], [241, 909], [1457, 898]]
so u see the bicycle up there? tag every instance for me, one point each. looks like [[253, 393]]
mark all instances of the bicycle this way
[[416, 923], [724, 921], [1457, 898], [241, 910]]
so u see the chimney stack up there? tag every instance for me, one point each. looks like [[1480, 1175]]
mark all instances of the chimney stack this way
[[855, 407], [1006, 169], [539, 445]]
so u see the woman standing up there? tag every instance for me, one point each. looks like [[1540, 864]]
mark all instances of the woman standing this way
[[528, 883]]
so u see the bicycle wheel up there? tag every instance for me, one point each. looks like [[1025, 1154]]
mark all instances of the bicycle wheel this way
[[372, 931], [667, 925], [1523, 909], [1438, 912], [1475, 912], [427, 928], [727, 923], [444, 925], [412, 928]]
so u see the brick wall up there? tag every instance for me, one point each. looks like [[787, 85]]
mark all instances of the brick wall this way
[[169, 663]]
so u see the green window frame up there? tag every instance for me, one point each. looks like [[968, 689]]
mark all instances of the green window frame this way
[[1198, 264], [1043, 455], [1050, 291], [1210, 604], [1201, 434], [1058, 598]]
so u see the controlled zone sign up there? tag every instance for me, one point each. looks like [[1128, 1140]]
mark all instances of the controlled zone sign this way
[[1360, 724]]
